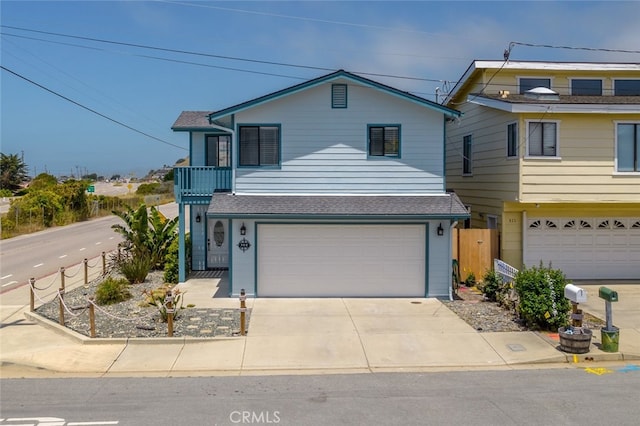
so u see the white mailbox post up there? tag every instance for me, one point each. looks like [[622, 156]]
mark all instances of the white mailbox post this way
[[576, 295]]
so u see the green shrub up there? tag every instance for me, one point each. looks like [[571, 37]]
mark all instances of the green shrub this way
[[135, 268], [171, 261], [541, 297], [471, 280], [492, 285], [4, 192], [112, 290]]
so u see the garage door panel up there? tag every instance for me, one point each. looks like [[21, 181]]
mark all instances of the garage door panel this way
[[341, 260], [610, 251]]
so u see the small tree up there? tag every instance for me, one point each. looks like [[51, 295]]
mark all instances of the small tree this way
[[541, 297], [13, 172]]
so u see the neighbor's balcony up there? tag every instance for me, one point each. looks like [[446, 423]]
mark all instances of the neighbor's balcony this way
[[196, 185]]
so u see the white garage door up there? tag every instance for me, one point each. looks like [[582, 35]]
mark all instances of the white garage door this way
[[341, 260], [585, 248]]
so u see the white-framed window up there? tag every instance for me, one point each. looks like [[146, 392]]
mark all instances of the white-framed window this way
[[628, 147], [512, 140], [542, 139], [258, 145], [492, 221], [586, 87], [467, 155], [384, 140], [528, 83], [626, 87]]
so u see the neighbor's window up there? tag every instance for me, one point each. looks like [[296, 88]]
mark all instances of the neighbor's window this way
[[542, 139], [384, 141], [259, 146], [627, 87], [586, 87], [628, 147], [466, 155], [531, 83], [218, 150], [512, 140], [338, 96]]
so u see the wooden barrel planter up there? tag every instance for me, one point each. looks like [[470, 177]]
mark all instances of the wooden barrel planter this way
[[577, 342]]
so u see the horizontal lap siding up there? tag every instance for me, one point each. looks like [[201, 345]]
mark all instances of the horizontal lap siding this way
[[324, 150], [585, 171]]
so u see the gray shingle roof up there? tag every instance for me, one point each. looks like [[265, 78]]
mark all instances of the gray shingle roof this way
[[566, 99], [445, 205], [189, 120]]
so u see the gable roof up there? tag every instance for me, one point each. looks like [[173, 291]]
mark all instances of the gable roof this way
[[340, 74], [564, 104], [193, 120]]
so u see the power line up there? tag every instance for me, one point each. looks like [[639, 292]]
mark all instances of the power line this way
[[591, 49], [210, 55], [90, 110]]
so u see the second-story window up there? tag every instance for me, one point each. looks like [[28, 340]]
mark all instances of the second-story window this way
[[626, 87], [586, 87], [467, 153], [384, 141], [512, 140], [628, 147], [218, 151], [528, 83], [259, 146], [542, 139]]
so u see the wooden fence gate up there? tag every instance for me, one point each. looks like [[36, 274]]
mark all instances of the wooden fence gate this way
[[475, 250]]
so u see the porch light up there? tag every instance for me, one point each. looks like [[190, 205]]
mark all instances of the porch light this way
[[440, 230], [198, 218], [243, 229]]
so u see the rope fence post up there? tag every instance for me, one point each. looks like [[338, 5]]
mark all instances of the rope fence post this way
[[92, 318], [32, 301], [170, 313], [243, 310], [104, 263], [60, 296], [86, 271], [62, 277]]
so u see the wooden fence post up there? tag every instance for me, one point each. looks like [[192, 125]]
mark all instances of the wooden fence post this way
[[62, 277], [243, 310], [60, 296], [104, 263], [86, 271], [170, 313], [32, 301], [92, 318]]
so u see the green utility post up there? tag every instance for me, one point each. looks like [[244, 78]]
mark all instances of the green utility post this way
[[610, 335]]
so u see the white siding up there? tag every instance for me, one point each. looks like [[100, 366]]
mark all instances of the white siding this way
[[324, 150]]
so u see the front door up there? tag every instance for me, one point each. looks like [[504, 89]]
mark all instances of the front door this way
[[217, 244]]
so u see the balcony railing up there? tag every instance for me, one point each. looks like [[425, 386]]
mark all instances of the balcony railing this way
[[197, 184]]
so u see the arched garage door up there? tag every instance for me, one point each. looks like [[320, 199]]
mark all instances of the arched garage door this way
[[327, 260], [585, 247]]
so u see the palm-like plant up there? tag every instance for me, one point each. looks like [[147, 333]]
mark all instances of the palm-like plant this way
[[147, 233]]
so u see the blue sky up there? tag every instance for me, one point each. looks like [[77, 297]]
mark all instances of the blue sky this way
[[146, 89]]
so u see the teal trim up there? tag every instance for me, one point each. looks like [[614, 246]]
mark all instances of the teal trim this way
[[335, 105], [230, 244], [369, 127], [205, 236], [340, 74], [444, 154], [426, 260], [181, 245], [255, 259], [270, 166]]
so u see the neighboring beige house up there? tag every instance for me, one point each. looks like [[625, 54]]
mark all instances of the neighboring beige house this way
[[549, 154]]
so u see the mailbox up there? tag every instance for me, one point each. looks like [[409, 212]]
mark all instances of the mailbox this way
[[608, 294], [575, 294]]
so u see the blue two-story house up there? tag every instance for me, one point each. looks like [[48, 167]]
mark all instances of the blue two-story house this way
[[331, 188]]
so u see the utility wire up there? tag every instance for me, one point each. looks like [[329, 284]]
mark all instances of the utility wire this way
[[210, 55], [591, 49], [90, 110]]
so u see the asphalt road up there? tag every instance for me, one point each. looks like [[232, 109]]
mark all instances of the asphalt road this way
[[524, 397], [43, 253]]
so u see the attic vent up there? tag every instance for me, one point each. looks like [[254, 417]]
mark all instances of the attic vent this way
[[542, 94], [339, 96]]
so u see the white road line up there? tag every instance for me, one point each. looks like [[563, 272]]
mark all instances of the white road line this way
[[6, 276], [9, 283], [111, 238], [92, 423], [83, 248], [38, 265], [98, 243], [62, 257]]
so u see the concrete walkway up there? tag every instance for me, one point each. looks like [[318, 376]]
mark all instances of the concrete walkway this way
[[302, 336]]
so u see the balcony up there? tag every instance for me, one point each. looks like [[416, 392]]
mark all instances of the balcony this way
[[196, 185]]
